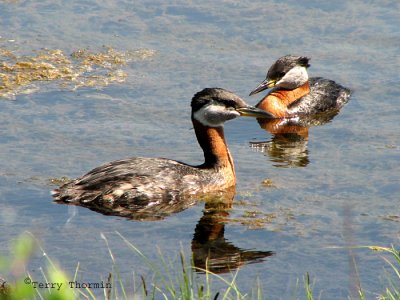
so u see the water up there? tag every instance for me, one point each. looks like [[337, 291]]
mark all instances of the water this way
[[344, 193]]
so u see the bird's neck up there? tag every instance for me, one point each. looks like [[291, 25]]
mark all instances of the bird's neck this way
[[290, 96], [278, 100], [216, 152]]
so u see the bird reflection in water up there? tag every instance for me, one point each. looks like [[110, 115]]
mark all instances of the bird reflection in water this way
[[210, 249], [288, 145], [158, 211]]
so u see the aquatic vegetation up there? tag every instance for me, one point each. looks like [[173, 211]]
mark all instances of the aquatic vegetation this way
[[83, 68], [392, 291], [58, 181], [10, 1], [254, 219], [170, 280], [268, 183], [174, 280], [20, 284], [394, 218]]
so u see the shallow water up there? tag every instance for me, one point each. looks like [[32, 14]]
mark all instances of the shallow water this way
[[345, 193]]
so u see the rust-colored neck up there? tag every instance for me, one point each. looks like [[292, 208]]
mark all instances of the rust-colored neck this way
[[212, 141], [289, 96], [278, 100]]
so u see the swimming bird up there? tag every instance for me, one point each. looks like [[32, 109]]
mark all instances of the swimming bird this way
[[141, 182], [295, 94]]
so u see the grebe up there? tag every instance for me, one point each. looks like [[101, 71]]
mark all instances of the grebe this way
[[295, 94], [141, 182]]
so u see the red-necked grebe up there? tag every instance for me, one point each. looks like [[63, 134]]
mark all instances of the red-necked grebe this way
[[295, 94], [140, 181]]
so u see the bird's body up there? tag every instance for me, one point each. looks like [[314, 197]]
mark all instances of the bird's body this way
[[141, 182], [295, 94], [144, 181]]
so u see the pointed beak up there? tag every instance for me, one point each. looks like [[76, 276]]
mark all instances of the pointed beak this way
[[250, 111], [266, 84]]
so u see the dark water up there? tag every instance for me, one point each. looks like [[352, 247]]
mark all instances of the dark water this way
[[311, 197]]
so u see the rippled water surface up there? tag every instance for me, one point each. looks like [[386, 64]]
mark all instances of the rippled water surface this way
[[306, 199]]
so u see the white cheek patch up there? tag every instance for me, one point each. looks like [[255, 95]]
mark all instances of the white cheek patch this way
[[214, 115], [294, 78]]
